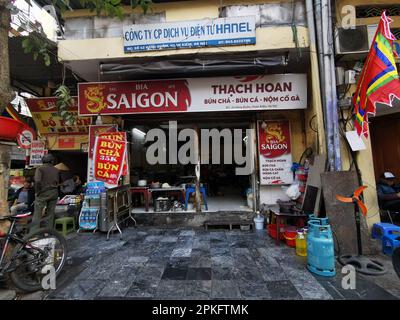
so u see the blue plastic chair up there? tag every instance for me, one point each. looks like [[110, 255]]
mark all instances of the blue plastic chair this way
[[190, 190]]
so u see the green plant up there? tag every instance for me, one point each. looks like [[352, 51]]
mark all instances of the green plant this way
[[64, 103], [37, 45]]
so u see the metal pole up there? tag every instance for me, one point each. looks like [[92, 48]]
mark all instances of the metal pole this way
[[335, 116]]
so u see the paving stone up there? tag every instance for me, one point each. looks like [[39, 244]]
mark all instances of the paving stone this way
[[142, 289], [283, 290], [225, 289], [198, 290], [187, 233], [182, 252], [116, 288], [199, 274], [178, 262], [221, 273], [82, 290], [171, 239], [254, 291], [222, 261], [170, 289], [175, 273]]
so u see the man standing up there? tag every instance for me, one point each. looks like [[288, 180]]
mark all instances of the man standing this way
[[46, 189]]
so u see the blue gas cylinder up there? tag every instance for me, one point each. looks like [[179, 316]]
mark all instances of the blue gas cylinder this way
[[320, 249]]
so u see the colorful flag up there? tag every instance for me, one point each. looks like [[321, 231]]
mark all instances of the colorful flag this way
[[379, 81]]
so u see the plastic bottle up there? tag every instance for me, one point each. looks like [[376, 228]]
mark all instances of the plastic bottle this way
[[301, 244]]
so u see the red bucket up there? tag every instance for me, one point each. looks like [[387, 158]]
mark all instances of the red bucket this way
[[272, 231], [290, 236]]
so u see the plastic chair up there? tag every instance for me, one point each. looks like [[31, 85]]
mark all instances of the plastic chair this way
[[65, 225], [190, 190], [389, 243]]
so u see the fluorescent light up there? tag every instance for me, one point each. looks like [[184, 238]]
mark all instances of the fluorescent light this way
[[138, 131]]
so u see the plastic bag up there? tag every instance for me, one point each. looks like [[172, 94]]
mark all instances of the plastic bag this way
[[293, 191]]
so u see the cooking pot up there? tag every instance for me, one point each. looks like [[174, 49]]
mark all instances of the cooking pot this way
[[142, 183]]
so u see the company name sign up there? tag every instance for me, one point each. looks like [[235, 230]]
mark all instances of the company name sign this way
[[268, 92], [190, 34]]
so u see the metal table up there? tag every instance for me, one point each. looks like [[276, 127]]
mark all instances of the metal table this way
[[170, 189]]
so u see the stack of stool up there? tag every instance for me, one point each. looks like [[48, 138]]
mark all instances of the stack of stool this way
[[389, 234]]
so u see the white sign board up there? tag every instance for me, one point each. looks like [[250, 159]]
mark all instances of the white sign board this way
[[37, 153], [190, 34], [274, 152]]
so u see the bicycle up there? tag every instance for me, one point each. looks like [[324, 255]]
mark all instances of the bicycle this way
[[31, 254]]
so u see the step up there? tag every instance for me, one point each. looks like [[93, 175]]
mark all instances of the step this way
[[229, 224]]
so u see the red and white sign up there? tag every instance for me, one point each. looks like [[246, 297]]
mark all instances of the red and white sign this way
[[275, 152], [37, 153], [109, 156], [25, 137], [265, 92]]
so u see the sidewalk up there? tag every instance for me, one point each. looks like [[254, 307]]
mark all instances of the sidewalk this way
[[161, 264]]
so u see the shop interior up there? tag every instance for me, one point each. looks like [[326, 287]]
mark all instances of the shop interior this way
[[221, 188]]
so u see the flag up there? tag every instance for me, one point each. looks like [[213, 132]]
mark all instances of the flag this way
[[379, 81]]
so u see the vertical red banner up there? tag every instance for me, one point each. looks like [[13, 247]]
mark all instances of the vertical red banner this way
[[109, 157]]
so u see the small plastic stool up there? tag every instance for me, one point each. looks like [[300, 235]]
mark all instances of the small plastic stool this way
[[381, 229], [389, 243], [65, 225], [190, 190]]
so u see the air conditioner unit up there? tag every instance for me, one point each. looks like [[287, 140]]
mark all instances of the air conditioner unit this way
[[357, 40]]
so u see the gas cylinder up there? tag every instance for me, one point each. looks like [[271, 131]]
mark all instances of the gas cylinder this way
[[320, 249]]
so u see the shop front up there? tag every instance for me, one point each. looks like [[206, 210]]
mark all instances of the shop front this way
[[220, 144]]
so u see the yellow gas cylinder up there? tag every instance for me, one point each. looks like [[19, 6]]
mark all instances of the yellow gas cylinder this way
[[301, 244]]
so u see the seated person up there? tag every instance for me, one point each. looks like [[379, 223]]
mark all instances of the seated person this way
[[389, 198], [24, 198]]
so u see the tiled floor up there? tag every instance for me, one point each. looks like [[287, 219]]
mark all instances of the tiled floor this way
[[152, 263]]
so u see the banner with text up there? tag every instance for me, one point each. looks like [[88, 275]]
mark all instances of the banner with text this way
[[275, 152], [37, 153], [190, 34], [48, 120], [262, 92], [95, 130], [109, 157]]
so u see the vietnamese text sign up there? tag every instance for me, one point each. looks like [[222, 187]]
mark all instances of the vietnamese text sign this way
[[109, 156], [265, 92], [275, 152], [190, 34], [37, 153], [48, 120], [95, 130]]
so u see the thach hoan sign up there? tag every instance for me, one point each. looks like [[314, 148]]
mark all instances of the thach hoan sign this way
[[266, 92], [190, 34]]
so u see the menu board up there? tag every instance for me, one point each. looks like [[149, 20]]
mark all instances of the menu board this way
[[274, 152]]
